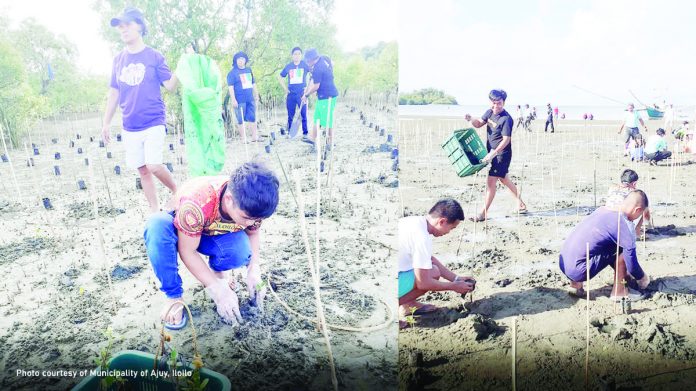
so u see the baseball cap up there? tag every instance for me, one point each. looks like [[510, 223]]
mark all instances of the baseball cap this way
[[130, 14], [311, 54]]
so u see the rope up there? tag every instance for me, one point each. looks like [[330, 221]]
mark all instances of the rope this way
[[280, 301]]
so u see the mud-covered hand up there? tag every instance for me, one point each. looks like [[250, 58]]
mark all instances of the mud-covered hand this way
[[257, 289], [470, 280], [644, 282], [226, 301], [462, 286]]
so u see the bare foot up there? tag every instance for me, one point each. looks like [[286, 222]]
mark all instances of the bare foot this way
[[175, 314]]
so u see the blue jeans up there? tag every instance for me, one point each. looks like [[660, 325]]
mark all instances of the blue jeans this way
[[229, 251], [291, 103]]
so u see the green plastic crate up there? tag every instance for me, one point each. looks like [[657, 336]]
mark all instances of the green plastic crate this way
[[465, 150], [136, 360]]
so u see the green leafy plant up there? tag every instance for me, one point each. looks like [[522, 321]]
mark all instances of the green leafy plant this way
[[102, 361], [195, 383], [411, 319]]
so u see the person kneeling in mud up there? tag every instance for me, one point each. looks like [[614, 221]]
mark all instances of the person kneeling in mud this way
[[618, 193], [419, 271], [220, 217], [602, 230]]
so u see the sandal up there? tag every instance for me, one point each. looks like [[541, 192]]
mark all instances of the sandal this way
[[181, 324], [426, 309]]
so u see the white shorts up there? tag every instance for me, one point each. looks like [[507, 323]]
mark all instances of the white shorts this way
[[144, 147]]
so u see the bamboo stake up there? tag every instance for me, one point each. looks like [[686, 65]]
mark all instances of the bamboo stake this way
[[514, 353], [553, 197], [18, 194], [285, 175], [519, 223], [244, 138], [587, 317], [315, 277], [106, 181], [317, 225], [461, 237], [32, 167], [100, 235], [329, 178], [616, 266]]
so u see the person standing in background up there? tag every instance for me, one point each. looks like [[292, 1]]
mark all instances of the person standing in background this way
[[136, 76], [296, 72], [549, 118], [243, 94], [323, 85]]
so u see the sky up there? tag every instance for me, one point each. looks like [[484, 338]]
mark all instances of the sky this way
[[350, 18], [540, 50]]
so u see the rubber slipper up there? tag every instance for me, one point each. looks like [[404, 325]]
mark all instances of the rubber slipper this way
[[180, 325], [478, 218], [307, 140], [426, 309], [633, 295], [579, 293], [523, 211]]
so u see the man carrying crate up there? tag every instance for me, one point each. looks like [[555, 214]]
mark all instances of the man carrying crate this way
[[499, 145]]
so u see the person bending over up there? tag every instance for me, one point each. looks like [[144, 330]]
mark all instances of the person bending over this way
[[419, 271], [219, 217], [607, 231]]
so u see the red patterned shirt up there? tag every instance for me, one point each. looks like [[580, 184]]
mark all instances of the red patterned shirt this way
[[197, 206]]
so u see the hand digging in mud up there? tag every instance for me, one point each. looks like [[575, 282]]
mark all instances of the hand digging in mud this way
[[419, 271], [220, 217], [226, 301]]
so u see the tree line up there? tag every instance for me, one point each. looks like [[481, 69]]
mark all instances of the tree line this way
[[39, 77]]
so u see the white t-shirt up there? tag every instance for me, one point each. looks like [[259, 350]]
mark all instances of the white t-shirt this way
[[415, 244], [631, 119]]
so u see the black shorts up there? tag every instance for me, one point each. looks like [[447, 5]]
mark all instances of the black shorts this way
[[500, 165]]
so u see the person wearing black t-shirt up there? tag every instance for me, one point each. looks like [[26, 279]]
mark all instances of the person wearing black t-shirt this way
[[549, 118], [498, 143]]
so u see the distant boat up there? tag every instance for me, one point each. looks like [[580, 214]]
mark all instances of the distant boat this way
[[654, 113]]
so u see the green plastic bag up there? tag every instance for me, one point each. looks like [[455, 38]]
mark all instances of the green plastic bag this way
[[201, 99]]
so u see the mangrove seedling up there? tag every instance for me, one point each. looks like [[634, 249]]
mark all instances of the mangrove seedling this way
[[102, 361], [194, 383], [411, 319]]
